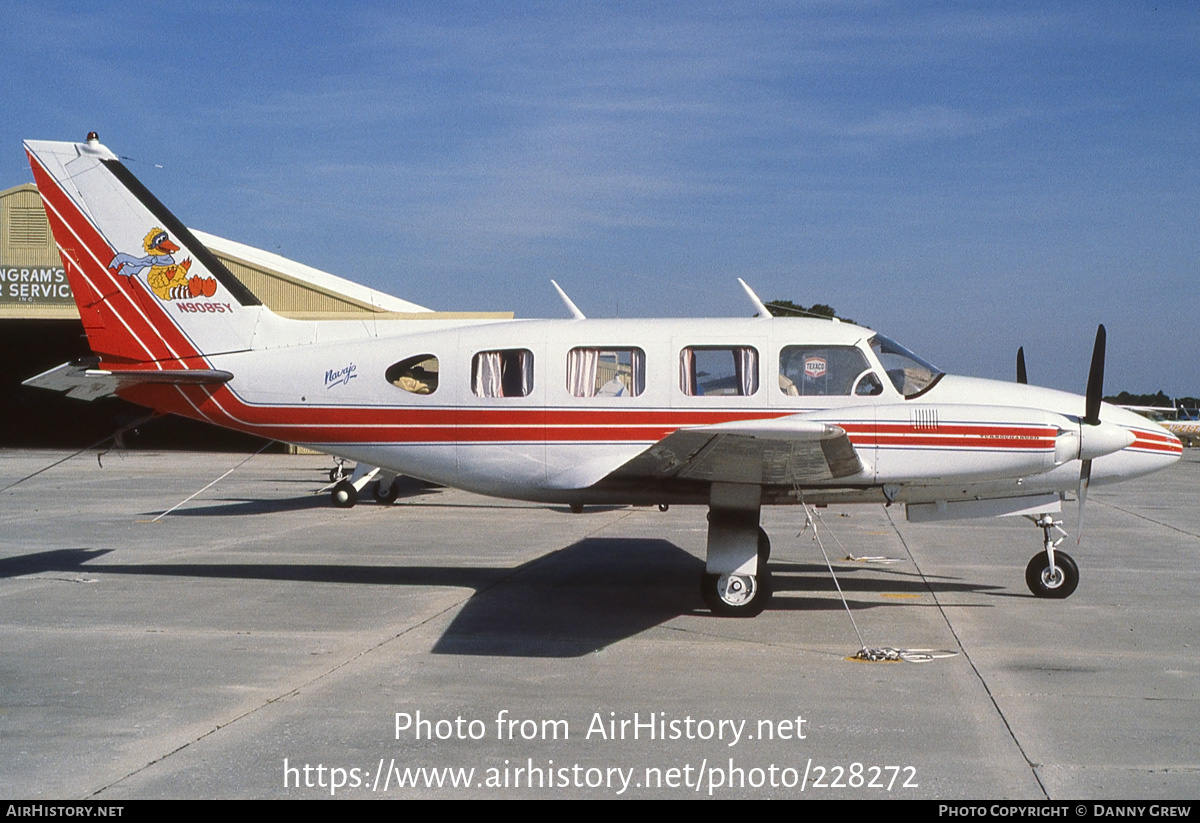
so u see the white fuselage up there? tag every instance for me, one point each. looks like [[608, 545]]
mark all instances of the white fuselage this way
[[959, 439]]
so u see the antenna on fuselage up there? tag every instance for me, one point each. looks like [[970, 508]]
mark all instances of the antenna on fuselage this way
[[759, 305], [571, 307]]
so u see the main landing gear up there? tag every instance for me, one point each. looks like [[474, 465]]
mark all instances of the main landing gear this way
[[346, 491], [736, 595], [1052, 573], [736, 581]]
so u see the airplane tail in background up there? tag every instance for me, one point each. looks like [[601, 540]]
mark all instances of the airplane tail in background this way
[[149, 293]]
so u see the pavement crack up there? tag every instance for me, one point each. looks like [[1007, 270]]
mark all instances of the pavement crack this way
[[1033, 767], [292, 692], [1148, 519]]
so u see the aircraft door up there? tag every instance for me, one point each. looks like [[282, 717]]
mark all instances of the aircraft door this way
[[502, 421], [833, 383]]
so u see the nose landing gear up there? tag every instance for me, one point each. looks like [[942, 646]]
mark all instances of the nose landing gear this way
[[1052, 573]]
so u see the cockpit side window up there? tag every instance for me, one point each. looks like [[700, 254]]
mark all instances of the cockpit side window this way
[[911, 375], [417, 375], [808, 371]]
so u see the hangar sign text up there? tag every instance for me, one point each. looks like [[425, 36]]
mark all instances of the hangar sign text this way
[[34, 285]]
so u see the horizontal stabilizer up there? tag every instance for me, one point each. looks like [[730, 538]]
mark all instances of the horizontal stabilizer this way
[[81, 380]]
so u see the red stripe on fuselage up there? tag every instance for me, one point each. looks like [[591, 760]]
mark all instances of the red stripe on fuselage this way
[[331, 424], [953, 435]]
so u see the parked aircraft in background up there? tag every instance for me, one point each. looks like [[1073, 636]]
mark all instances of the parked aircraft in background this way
[[732, 414], [1181, 422]]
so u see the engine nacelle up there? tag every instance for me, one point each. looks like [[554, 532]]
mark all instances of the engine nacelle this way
[[1083, 441]]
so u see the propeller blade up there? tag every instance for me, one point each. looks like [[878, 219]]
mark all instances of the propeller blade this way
[[1021, 376], [1085, 477], [1095, 384], [1091, 417]]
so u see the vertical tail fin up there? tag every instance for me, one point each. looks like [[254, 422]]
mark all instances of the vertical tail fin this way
[[147, 290]]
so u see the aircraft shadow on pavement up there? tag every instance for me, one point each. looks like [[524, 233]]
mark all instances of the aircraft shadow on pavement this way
[[236, 508], [578, 600], [73, 560], [569, 603], [566, 604], [863, 578], [241, 507], [599, 591]]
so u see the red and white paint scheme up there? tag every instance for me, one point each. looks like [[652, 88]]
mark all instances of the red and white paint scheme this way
[[728, 413]]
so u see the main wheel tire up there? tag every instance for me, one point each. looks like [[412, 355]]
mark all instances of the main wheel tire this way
[[764, 547], [344, 495], [386, 495], [736, 595], [1059, 585]]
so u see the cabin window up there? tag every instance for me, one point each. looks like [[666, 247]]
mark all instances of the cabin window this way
[[504, 373], [718, 370], [418, 375], [816, 371], [606, 372]]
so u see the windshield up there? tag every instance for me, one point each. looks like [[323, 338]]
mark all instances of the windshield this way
[[909, 374]]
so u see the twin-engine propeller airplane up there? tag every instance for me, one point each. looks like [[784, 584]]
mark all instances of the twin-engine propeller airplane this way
[[728, 413]]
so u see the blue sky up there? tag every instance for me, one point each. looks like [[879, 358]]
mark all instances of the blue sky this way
[[965, 177]]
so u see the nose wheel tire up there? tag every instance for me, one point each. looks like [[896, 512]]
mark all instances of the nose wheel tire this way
[[1058, 585], [736, 595]]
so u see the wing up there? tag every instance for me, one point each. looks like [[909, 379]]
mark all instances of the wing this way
[[784, 450], [781, 451]]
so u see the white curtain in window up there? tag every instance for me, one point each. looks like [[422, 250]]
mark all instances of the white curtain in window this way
[[581, 372], [487, 380], [687, 371], [637, 368], [747, 367]]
